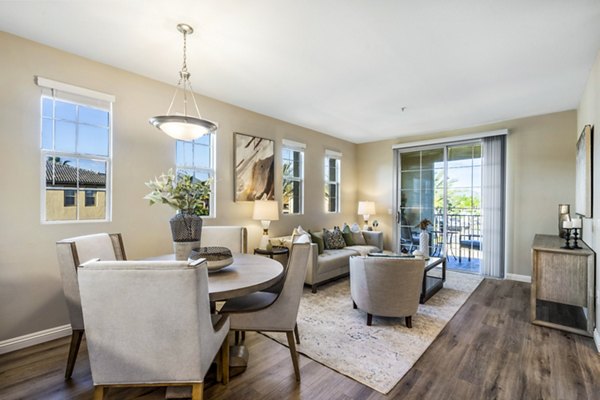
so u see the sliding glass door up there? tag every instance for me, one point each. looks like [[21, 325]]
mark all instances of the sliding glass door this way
[[443, 185]]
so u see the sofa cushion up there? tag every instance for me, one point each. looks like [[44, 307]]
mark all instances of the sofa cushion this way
[[333, 239], [335, 258], [363, 250]]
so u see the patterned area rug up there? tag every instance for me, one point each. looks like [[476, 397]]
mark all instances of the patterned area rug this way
[[337, 336]]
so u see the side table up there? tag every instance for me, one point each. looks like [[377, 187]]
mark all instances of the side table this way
[[275, 251]]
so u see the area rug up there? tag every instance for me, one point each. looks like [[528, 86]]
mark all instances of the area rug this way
[[335, 335]]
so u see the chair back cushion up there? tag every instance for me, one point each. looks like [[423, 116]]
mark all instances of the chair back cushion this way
[[73, 252], [235, 238]]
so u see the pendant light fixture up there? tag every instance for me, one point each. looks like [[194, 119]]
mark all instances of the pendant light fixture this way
[[184, 126]]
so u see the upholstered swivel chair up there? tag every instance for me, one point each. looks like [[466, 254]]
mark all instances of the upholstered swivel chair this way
[[71, 253], [148, 323], [386, 286], [274, 312]]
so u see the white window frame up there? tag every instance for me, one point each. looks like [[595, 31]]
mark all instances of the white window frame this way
[[211, 170], [335, 155], [296, 147], [89, 98]]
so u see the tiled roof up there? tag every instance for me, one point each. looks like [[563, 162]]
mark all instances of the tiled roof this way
[[66, 175]]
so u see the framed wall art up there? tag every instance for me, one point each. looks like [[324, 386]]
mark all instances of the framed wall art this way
[[254, 168], [583, 173]]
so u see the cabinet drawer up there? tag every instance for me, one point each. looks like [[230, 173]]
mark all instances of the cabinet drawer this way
[[562, 278]]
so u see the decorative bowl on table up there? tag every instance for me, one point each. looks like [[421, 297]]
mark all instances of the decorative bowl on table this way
[[216, 257]]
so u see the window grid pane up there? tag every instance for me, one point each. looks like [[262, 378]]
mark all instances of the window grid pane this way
[[332, 184], [75, 150], [292, 171], [196, 158]]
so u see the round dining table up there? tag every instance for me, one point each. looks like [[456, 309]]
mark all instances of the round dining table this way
[[247, 274]]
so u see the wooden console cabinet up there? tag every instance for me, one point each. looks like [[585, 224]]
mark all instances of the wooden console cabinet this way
[[562, 286]]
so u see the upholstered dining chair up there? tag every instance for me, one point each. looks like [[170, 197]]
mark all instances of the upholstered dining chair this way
[[274, 312], [71, 253], [235, 238], [386, 286], [148, 323]]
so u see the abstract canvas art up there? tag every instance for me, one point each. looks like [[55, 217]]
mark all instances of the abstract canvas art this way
[[254, 168]]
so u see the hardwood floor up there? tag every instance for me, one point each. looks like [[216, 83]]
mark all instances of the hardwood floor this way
[[489, 350]]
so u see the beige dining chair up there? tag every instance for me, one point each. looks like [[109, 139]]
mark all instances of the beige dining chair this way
[[386, 286], [148, 323], [71, 253], [235, 238], [274, 312]]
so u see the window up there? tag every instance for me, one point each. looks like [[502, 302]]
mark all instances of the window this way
[[333, 162], [197, 158], [76, 133], [90, 198], [69, 199], [293, 177]]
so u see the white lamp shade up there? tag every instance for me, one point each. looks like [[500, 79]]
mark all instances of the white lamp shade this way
[[265, 210], [366, 208], [183, 127]]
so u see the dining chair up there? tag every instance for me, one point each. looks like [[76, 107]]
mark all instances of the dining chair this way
[[71, 253], [274, 312], [235, 238], [148, 323]]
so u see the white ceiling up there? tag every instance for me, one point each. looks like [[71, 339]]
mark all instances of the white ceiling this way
[[342, 67]]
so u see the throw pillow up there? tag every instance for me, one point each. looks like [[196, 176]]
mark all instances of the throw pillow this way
[[317, 238], [302, 238], [347, 234], [355, 227], [358, 238], [333, 239], [299, 231]]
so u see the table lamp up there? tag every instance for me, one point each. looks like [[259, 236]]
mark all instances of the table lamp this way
[[265, 211], [366, 208]]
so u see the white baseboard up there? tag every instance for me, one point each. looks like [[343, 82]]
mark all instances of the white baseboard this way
[[520, 278], [597, 339], [31, 339]]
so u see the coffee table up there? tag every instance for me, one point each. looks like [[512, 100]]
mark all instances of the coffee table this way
[[432, 284]]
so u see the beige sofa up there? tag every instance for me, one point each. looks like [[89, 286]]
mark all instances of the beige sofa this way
[[334, 264]]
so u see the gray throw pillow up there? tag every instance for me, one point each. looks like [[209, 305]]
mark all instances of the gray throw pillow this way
[[358, 238]]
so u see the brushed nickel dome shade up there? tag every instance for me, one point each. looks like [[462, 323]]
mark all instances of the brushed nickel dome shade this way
[[184, 126]]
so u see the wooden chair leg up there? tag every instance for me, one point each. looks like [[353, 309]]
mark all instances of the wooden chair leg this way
[[408, 321], [197, 391], [73, 351], [369, 319], [294, 353], [225, 360], [297, 333], [236, 340], [98, 392]]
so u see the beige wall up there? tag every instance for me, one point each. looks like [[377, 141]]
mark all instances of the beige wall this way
[[30, 290], [588, 113], [540, 175]]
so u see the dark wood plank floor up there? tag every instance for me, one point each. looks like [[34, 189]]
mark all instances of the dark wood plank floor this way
[[488, 351]]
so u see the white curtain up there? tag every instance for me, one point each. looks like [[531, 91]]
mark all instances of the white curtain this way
[[492, 204]]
